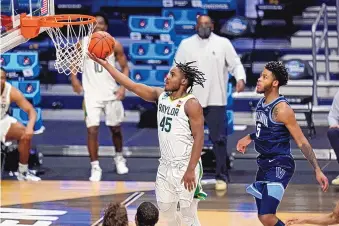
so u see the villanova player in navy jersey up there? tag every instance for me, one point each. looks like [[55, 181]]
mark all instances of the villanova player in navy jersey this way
[[275, 124]]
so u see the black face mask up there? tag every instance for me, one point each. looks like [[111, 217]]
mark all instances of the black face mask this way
[[204, 32]]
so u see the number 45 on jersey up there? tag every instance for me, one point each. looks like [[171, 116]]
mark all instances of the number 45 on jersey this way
[[166, 124]]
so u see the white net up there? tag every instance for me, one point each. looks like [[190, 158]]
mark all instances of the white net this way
[[70, 53]]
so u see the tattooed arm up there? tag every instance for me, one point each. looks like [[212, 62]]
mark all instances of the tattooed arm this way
[[283, 113]]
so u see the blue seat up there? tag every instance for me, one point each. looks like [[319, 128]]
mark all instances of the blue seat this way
[[26, 63], [184, 20], [152, 53], [30, 89], [148, 76], [22, 117], [151, 26]]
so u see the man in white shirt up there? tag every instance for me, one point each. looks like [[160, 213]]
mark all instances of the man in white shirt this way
[[333, 132], [102, 94], [215, 57]]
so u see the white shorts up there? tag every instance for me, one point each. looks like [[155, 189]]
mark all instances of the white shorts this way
[[168, 186], [112, 109], [5, 124]]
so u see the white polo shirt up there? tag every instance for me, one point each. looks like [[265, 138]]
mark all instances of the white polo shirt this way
[[215, 57]]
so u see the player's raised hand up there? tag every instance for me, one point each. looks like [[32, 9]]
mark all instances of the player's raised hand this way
[[103, 62], [189, 180], [322, 180], [243, 143]]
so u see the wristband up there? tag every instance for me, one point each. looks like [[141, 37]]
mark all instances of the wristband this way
[[252, 136]]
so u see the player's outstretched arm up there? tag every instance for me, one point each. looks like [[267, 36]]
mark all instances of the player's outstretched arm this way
[[282, 112], [147, 93], [194, 112], [17, 97], [325, 219]]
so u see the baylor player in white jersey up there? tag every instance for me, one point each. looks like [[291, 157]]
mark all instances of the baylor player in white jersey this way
[[102, 94], [12, 130], [181, 138]]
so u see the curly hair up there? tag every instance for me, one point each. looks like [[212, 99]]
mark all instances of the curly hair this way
[[279, 71], [193, 75], [147, 214], [115, 215]]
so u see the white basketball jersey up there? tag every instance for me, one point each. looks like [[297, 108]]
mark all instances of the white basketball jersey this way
[[175, 136], [98, 84], [5, 100]]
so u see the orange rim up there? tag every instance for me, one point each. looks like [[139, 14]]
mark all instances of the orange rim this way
[[66, 19], [30, 25]]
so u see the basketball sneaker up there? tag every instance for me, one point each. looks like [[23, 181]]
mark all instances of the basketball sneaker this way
[[220, 185], [27, 176], [96, 173], [120, 164], [335, 181]]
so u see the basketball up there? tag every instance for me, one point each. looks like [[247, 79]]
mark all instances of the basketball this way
[[101, 44]]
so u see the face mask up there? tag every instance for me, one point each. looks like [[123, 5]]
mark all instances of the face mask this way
[[204, 32]]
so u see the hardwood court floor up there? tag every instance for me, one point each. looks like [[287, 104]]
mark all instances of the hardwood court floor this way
[[82, 203]]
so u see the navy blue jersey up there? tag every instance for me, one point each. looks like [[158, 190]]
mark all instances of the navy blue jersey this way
[[272, 138]]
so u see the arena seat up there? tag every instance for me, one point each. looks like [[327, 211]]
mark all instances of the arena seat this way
[[158, 27], [22, 117], [25, 63], [152, 53], [30, 89], [184, 19]]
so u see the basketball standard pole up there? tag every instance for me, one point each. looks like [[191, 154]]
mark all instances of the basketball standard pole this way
[[30, 8]]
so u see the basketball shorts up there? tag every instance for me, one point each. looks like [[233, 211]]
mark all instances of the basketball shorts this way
[[168, 186], [5, 124], [112, 109], [272, 178]]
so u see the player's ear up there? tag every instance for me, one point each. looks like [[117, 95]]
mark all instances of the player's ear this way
[[184, 81], [275, 83]]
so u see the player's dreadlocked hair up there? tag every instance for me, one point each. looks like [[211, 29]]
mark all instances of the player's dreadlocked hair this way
[[193, 75], [279, 71]]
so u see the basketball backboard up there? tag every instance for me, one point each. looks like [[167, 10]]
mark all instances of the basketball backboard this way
[[10, 19]]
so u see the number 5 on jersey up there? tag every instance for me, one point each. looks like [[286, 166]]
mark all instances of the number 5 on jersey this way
[[165, 124], [258, 130]]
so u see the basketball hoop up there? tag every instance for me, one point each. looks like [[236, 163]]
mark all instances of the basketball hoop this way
[[69, 55]]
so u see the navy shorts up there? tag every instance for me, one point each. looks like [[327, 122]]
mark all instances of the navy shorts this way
[[273, 176]]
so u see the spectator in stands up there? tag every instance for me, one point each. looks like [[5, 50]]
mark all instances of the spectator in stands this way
[[115, 215], [333, 132], [215, 57], [147, 214]]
